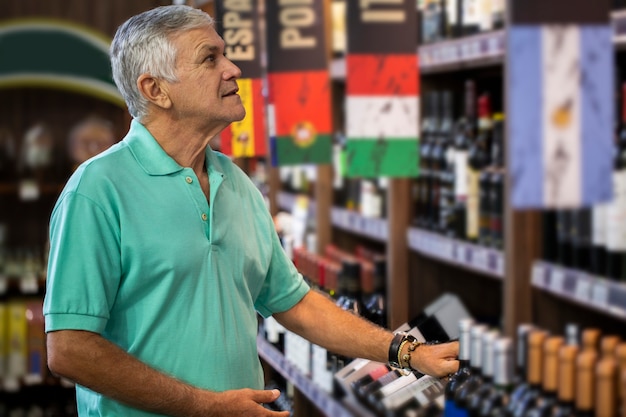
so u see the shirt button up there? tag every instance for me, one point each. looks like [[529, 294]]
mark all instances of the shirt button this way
[[189, 180], [204, 216]]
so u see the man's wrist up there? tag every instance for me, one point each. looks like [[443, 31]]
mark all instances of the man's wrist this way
[[402, 351]]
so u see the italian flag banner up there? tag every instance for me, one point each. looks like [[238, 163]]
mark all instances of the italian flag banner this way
[[299, 109], [238, 24], [382, 89]]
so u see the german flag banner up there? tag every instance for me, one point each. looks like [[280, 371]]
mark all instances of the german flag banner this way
[[561, 108], [238, 24], [299, 109], [382, 89]]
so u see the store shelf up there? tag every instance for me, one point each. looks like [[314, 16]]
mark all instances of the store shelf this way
[[372, 228], [323, 401], [478, 258], [582, 288], [469, 52]]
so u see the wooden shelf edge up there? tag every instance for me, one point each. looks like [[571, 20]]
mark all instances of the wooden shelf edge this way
[[581, 288], [322, 400], [487, 261]]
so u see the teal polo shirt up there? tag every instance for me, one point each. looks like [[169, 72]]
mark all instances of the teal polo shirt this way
[[139, 256]]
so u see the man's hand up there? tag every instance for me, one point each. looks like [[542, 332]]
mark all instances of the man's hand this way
[[245, 402], [436, 360]]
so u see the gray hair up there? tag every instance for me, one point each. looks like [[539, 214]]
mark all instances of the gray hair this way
[[142, 45]]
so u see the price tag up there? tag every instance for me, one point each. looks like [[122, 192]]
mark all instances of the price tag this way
[[583, 289], [556, 280], [600, 294], [538, 274], [499, 264], [480, 258]]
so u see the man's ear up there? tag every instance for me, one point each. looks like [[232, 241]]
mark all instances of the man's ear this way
[[154, 91]]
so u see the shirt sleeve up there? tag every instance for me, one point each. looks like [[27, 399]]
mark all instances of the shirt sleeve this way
[[84, 266]]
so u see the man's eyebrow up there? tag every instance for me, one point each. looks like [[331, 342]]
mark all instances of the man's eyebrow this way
[[206, 49]]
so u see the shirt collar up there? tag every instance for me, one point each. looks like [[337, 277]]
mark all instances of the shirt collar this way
[[153, 159]]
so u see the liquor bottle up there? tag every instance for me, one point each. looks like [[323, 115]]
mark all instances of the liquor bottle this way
[[549, 251], [598, 239], [616, 227], [498, 14], [581, 239], [531, 389], [433, 21], [494, 404], [488, 367], [350, 280], [424, 179], [620, 355], [496, 186], [591, 339], [484, 196], [608, 345], [469, 387], [606, 374], [564, 231], [471, 17], [446, 173], [413, 397], [520, 383], [585, 384], [371, 376], [476, 161], [453, 18], [567, 382], [464, 135], [457, 379], [364, 390], [548, 397], [375, 304], [437, 163], [572, 334]]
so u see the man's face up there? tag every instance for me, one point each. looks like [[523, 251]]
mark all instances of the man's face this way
[[206, 93]]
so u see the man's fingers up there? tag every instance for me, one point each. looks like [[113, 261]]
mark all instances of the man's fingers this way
[[265, 396]]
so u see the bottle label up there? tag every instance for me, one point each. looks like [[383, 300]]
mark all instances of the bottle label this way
[[473, 203], [616, 214], [460, 174], [599, 224]]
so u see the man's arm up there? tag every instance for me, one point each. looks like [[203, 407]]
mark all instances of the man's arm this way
[[319, 320], [92, 361]]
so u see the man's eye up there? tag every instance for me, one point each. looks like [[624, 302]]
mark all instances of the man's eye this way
[[210, 58]]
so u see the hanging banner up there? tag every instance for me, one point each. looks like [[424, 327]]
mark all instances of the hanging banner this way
[[382, 89], [238, 24], [560, 65], [299, 110]]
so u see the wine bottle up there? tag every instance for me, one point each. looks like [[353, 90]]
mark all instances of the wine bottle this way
[[531, 388], [616, 227], [446, 176], [591, 339], [488, 367], [437, 163], [494, 404], [476, 163], [585, 383], [469, 387], [463, 373], [424, 179], [484, 181], [365, 390], [567, 381], [464, 134], [371, 376], [375, 304], [606, 373], [496, 186], [581, 239], [548, 397], [564, 238]]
